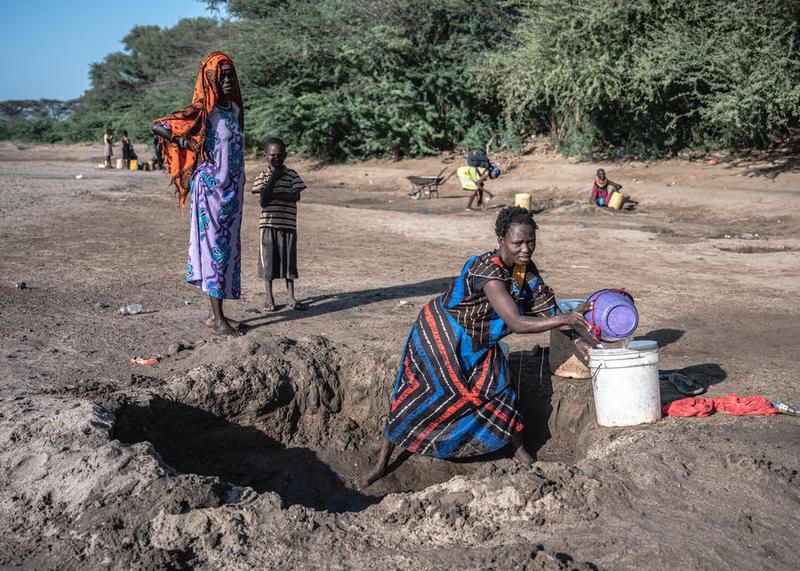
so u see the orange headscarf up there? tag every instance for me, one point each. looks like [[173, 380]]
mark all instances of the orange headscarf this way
[[192, 123]]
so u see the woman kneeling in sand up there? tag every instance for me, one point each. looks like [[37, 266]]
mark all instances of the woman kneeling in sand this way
[[453, 396]]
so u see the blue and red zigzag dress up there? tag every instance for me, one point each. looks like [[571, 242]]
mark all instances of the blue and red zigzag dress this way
[[453, 396]]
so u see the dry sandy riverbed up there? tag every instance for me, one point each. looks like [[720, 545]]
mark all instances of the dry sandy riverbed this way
[[242, 453]]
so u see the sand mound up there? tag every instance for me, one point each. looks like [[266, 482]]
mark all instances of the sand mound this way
[[246, 460]]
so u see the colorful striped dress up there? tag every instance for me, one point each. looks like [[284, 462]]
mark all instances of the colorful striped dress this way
[[453, 396]]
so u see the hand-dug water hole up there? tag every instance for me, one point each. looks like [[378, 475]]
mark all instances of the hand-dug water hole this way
[[305, 427]]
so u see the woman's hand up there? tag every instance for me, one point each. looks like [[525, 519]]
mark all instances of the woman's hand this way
[[165, 132], [576, 321], [575, 317]]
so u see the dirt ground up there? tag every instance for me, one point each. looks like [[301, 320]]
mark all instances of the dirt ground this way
[[242, 453]]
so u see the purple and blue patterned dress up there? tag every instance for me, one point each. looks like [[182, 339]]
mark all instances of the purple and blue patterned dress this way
[[217, 190], [453, 396]]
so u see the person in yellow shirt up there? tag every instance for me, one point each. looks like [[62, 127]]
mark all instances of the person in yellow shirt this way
[[472, 180]]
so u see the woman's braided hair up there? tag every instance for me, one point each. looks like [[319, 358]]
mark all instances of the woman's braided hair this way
[[513, 215]]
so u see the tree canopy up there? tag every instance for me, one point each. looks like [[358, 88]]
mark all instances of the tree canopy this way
[[342, 79]]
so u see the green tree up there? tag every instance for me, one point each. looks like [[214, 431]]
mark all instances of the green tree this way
[[652, 75], [153, 76], [339, 78]]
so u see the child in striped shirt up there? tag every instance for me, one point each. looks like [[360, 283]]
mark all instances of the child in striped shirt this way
[[279, 188]]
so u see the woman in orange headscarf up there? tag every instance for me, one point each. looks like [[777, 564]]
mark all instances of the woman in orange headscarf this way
[[203, 147]]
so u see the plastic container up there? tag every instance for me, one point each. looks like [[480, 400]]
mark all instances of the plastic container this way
[[614, 315], [625, 385], [523, 199], [130, 309], [567, 305], [615, 200], [134, 164], [120, 164], [642, 345]]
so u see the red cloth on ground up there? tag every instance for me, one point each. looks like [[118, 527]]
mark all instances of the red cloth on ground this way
[[689, 406], [730, 404], [742, 406]]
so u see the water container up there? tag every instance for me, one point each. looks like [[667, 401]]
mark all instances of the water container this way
[[523, 199], [134, 164], [614, 316], [615, 200], [130, 309], [625, 385], [120, 164], [567, 305]]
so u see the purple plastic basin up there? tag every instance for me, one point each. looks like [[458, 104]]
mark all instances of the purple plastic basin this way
[[614, 314]]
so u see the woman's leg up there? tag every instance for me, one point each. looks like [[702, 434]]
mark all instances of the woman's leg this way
[[471, 199], [219, 323], [379, 471]]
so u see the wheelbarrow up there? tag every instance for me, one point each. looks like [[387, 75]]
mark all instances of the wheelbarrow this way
[[427, 185]]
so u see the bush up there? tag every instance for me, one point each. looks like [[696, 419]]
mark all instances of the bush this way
[[654, 75], [357, 79], [341, 79]]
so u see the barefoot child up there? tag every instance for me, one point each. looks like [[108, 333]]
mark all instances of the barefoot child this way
[[604, 188], [279, 188], [600, 189], [472, 180]]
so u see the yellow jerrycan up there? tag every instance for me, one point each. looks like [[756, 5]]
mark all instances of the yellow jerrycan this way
[[616, 200], [523, 199]]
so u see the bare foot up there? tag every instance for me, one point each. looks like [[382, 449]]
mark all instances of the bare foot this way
[[521, 456], [223, 328], [371, 477], [232, 323]]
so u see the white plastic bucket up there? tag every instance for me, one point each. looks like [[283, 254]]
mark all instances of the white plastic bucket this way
[[625, 384]]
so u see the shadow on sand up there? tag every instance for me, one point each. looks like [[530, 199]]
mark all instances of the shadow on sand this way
[[195, 441], [330, 303]]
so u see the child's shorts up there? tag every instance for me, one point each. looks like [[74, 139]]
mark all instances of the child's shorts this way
[[278, 254]]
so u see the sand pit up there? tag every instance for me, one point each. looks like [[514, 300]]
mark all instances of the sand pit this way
[[243, 453], [286, 427], [249, 460], [304, 433]]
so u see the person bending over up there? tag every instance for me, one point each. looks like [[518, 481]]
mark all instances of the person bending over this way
[[453, 396], [472, 180]]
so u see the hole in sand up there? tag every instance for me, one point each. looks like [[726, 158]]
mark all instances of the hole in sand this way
[[756, 249], [193, 440], [237, 448]]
